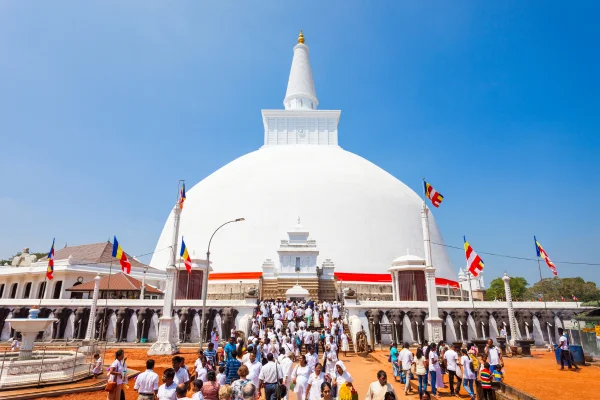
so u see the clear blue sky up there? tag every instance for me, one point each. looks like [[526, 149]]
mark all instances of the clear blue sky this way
[[104, 105]]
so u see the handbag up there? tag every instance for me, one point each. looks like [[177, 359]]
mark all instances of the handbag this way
[[354, 394], [110, 387]]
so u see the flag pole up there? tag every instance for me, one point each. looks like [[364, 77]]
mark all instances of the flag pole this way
[[470, 289], [106, 310], [540, 270]]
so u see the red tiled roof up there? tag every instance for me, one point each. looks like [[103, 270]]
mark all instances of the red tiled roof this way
[[118, 281], [93, 253]]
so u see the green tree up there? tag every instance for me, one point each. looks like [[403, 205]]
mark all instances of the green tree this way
[[518, 288], [556, 288]]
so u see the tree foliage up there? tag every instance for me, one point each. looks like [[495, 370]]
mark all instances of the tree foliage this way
[[518, 289], [551, 289]]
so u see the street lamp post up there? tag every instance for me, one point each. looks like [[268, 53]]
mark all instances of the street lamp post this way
[[143, 289], [205, 279]]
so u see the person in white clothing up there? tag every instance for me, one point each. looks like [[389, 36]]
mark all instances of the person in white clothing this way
[[300, 378], [116, 374], [311, 358], [166, 391], [200, 368], [494, 356], [345, 344], [146, 383], [342, 377], [329, 360], [467, 372], [292, 326], [214, 337], [181, 373], [406, 360], [435, 370], [287, 363], [379, 388], [197, 390], [315, 380], [451, 357], [254, 367]]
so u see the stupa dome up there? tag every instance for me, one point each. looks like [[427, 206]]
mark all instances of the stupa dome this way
[[362, 217]]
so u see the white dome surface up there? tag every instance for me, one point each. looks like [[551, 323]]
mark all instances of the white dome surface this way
[[361, 217]]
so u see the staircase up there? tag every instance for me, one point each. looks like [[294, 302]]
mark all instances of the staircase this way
[[276, 288], [327, 290]]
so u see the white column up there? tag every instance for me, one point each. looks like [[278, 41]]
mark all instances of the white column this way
[[89, 334], [433, 321], [511, 312], [167, 340]]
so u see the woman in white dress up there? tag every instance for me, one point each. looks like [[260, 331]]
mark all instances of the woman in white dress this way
[[345, 345], [336, 311], [329, 360], [326, 320], [300, 378], [316, 323], [342, 377], [316, 379]]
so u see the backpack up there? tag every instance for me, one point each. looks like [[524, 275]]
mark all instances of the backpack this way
[[474, 363]]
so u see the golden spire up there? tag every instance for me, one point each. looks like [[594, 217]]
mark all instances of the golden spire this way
[[301, 37]]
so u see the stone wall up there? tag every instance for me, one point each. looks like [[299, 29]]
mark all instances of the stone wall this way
[[369, 291], [229, 291]]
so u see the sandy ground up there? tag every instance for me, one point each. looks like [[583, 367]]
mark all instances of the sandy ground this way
[[539, 376]]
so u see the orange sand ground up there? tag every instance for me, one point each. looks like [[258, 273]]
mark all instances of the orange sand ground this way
[[539, 376]]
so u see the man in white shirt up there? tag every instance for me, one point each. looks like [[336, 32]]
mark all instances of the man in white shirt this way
[[254, 367], [181, 374], [316, 342], [308, 338], [278, 324], [270, 375], [289, 314], [380, 387], [494, 356], [451, 357], [311, 358], [292, 326], [166, 391], [565, 353], [406, 358], [301, 324], [146, 384]]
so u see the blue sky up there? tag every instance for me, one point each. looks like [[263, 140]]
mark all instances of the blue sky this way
[[105, 105]]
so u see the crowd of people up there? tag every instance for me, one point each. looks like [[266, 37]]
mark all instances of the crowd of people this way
[[273, 361], [432, 362]]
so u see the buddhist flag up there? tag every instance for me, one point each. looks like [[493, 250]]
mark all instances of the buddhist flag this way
[[542, 254], [575, 298], [186, 256], [433, 195], [182, 196], [474, 262], [50, 269], [120, 255]]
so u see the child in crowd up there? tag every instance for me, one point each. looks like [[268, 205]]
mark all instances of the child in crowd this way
[[486, 382], [97, 369], [221, 377], [197, 390]]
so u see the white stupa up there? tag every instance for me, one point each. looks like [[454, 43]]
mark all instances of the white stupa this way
[[362, 216]]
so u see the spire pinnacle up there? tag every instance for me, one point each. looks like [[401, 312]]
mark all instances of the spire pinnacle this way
[[300, 94]]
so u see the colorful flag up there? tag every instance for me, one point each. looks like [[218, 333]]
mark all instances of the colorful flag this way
[[120, 255], [575, 298], [542, 253], [186, 256], [474, 262], [182, 196], [50, 269], [433, 195]]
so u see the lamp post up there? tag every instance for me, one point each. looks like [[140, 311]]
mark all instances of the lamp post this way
[[205, 279], [143, 290]]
